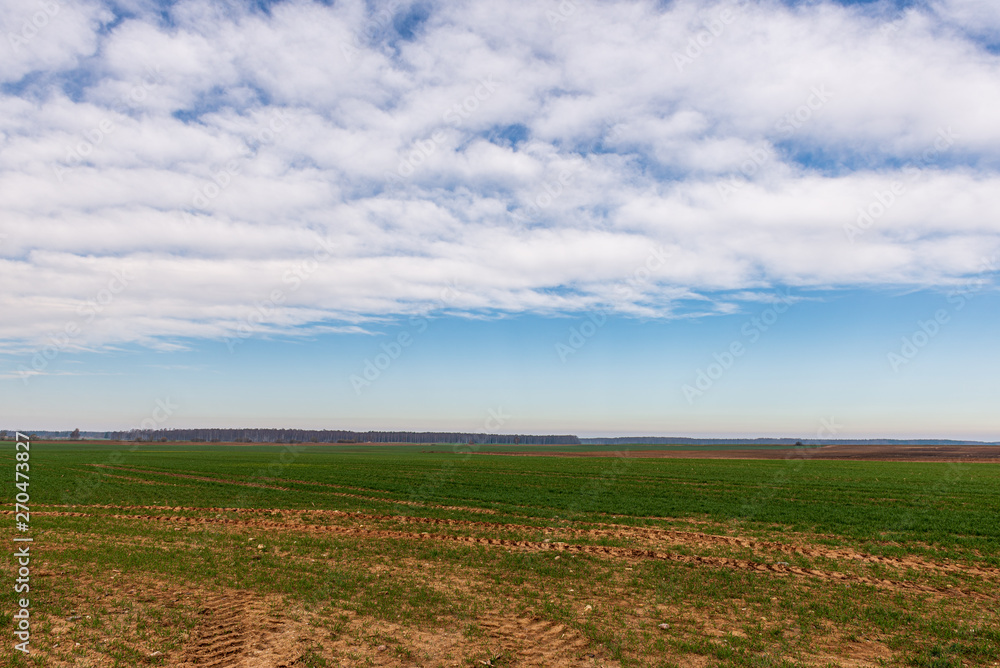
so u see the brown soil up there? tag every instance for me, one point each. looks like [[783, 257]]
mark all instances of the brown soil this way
[[242, 629], [641, 535], [235, 630], [535, 642], [363, 529]]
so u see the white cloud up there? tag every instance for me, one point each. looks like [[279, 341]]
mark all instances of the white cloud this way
[[979, 17], [48, 35], [534, 159]]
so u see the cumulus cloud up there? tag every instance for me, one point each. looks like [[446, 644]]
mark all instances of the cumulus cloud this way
[[230, 170], [49, 36]]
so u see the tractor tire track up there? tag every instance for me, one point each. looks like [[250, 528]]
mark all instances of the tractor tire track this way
[[536, 642], [622, 532], [535, 546]]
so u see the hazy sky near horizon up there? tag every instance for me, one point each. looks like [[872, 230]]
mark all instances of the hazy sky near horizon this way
[[693, 218]]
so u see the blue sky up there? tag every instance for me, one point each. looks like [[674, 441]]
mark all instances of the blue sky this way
[[823, 368], [574, 210]]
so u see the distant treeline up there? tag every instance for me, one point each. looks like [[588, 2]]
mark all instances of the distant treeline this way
[[328, 436]]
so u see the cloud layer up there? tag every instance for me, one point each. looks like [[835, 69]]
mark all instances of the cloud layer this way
[[218, 169]]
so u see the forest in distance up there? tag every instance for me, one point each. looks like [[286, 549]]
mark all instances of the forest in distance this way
[[252, 435]]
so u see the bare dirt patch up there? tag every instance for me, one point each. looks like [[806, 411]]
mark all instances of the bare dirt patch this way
[[236, 630], [632, 553], [641, 535], [539, 622], [243, 629], [536, 642]]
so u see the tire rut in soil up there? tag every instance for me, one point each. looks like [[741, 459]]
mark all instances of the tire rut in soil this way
[[220, 640], [647, 534], [631, 553], [234, 632], [537, 642]]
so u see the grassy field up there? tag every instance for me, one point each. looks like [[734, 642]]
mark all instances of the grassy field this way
[[303, 555]]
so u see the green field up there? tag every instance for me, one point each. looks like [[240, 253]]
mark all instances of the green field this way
[[442, 557]]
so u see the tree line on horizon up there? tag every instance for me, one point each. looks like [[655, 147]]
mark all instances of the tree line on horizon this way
[[216, 435], [333, 436]]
